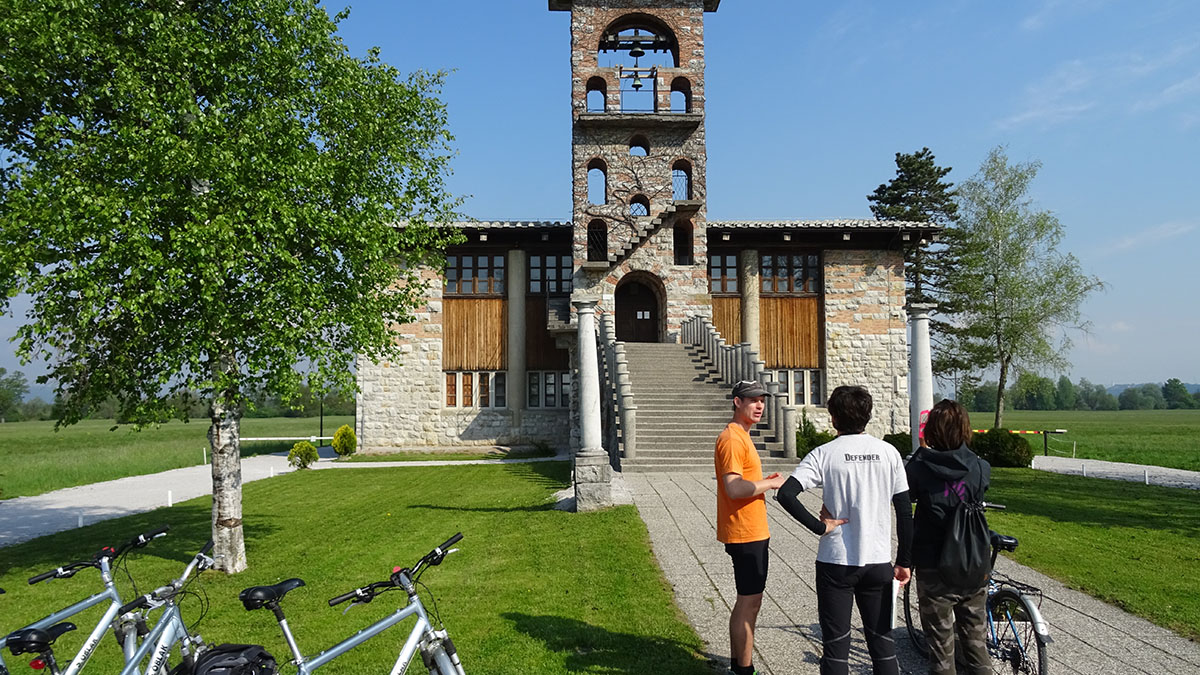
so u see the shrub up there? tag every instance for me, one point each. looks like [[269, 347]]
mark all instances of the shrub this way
[[901, 441], [1002, 448], [808, 438], [302, 455], [345, 443]]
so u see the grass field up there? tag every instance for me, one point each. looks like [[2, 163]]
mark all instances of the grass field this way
[[1169, 438], [36, 459], [1132, 545], [533, 590], [494, 453]]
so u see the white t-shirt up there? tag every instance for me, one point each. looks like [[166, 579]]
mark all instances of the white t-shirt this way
[[859, 474]]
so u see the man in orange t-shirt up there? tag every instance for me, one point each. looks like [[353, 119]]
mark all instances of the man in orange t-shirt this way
[[742, 518]]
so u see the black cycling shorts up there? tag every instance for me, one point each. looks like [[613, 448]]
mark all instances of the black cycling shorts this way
[[749, 566]]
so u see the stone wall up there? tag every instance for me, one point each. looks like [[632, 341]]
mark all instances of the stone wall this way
[[401, 403], [866, 335]]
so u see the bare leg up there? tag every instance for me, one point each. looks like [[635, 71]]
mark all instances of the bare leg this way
[[741, 628]]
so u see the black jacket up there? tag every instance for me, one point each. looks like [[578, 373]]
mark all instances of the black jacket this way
[[932, 475]]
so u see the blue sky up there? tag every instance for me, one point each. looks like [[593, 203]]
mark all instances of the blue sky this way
[[808, 103]]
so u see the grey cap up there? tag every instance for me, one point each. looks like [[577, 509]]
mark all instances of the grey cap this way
[[749, 389]]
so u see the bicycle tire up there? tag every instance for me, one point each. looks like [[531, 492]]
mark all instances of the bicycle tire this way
[[912, 619], [1015, 646]]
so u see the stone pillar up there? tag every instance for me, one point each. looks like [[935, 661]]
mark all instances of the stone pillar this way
[[790, 427], [920, 369], [517, 271], [750, 283], [593, 475], [775, 409]]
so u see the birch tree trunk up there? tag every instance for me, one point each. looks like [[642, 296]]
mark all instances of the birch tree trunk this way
[[224, 434]]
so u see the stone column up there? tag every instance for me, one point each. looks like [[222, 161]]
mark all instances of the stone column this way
[[593, 475], [790, 427], [775, 409], [920, 369], [517, 271], [750, 283]]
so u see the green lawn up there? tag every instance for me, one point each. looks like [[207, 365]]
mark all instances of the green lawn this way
[[1169, 438], [513, 453], [533, 590], [36, 459], [1132, 545]]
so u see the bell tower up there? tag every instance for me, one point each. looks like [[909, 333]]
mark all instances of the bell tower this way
[[638, 160]]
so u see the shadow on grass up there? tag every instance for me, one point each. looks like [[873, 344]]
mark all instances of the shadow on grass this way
[[593, 649], [485, 509], [552, 475], [1096, 501]]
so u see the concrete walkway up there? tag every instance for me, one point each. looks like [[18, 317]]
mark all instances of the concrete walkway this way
[[1137, 473], [1090, 637]]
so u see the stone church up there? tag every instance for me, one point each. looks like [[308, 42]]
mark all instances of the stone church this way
[[622, 327]]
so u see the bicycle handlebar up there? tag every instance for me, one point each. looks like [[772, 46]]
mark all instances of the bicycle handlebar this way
[[450, 542], [368, 592], [109, 552], [992, 505]]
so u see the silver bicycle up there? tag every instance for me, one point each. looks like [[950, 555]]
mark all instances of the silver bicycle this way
[[38, 637], [434, 645]]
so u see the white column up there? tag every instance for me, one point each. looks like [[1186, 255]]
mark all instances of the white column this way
[[593, 475], [516, 335], [920, 369]]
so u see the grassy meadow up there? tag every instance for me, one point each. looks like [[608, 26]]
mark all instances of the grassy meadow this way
[[1169, 438], [532, 590], [34, 458]]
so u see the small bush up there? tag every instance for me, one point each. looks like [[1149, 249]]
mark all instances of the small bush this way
[[345, 443], [1002, 448], [901, 441], [808, 438], [302, 455]]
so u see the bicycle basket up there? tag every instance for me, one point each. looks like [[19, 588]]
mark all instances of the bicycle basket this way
[[230, 659]]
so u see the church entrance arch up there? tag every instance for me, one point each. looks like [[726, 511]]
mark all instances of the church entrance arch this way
[[639, 308]]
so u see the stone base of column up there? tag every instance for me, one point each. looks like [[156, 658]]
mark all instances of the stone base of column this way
[[593, 480]]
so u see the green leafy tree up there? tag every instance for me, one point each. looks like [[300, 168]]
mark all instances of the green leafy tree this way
[[1176, 395], [1065, 394], [1142, 397], [13, 388], [199, 195], [1032, 392], [918, 193], [1018, 294]]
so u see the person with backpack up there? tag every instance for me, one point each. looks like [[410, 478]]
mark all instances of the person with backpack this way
[[951, 551]]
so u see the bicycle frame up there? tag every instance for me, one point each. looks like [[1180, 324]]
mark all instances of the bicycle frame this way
[[169, 630], [423, 630], [89, 646]]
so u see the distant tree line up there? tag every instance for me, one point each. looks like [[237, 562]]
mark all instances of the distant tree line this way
[[14, 407], [1036, 392]]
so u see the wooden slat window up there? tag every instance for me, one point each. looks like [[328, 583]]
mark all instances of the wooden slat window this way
[[474, 273], [722, 273], [474, 334]]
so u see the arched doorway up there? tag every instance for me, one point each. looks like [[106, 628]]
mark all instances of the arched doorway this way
[[637, 312]]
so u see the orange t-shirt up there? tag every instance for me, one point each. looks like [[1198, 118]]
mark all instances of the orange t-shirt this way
[[739, 520]]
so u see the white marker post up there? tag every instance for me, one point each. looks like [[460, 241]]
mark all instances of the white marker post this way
[[169, 498]]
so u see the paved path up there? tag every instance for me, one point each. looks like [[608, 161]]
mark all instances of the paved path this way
[[1094, 468], [1090, 637], [25, 518]]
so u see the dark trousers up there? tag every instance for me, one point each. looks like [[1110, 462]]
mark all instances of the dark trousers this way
[[955, 625], [839, 587]]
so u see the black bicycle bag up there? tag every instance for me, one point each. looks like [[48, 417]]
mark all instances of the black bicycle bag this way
[[230, 659]]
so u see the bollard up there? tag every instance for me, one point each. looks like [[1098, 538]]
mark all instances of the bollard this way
[[1146, 473], [1084, 467], [204, 456], [80, 523], [272, 472], [169, 501]]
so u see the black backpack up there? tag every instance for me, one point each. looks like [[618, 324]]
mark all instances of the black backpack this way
[[966, 556], [230, 659]]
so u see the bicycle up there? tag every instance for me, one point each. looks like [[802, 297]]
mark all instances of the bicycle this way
[[437, 650], [170, 628], [1017, 635], [39, 636]]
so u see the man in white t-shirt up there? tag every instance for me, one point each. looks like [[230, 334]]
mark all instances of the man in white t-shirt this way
[[860, 475]]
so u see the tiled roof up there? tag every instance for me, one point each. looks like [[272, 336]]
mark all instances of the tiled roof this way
[[509, 224], [818, 225]]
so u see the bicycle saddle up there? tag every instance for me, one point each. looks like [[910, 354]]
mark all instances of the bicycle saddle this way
[[36, 640], [257, 596], [1003, 541]]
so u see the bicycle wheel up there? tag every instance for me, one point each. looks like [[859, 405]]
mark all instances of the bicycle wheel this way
[[1015, 646], [912, 619]]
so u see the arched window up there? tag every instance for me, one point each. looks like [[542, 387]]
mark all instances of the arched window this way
[[639, 206], [597, 182], [639, 146], [597, 241], [683, 243], [681, 95], [636, 46], [597, 95], [681, 180]]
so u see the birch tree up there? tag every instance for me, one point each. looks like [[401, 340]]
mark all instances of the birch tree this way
[[201, 194]]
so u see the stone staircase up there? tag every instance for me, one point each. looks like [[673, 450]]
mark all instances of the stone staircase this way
[[681, 408], [673, 210]]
